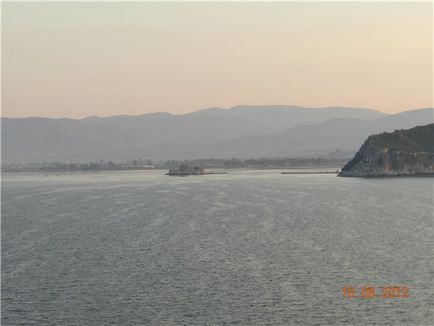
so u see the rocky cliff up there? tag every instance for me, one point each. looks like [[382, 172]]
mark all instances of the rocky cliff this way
[[402, 152]]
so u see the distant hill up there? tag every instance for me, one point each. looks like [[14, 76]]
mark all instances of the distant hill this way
[[402, 152], [344, 134], [241, 131]]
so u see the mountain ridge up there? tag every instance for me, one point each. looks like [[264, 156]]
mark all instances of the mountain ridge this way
[[210, 133], [249, 107]]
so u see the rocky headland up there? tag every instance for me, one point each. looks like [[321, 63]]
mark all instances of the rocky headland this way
[[399, 153]]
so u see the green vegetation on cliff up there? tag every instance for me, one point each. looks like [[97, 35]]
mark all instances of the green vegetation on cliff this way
[[417, 139]]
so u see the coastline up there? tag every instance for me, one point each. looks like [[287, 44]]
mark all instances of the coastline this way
[[379, 176]]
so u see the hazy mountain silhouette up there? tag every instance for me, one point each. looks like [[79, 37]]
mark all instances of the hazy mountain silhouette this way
[[242, 131], [344, 134]]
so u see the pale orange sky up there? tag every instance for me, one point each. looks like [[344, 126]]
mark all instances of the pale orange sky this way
[[78, 59]]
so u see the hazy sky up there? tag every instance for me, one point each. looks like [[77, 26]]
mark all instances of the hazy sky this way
[[70, 59]]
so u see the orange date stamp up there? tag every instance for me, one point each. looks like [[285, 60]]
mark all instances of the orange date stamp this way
[[370, 292]]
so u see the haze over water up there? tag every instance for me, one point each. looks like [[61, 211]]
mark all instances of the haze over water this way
[[248, 248]]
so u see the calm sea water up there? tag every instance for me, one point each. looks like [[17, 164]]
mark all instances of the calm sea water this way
[[248, 248]]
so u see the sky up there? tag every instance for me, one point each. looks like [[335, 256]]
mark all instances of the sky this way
[[66, 59]]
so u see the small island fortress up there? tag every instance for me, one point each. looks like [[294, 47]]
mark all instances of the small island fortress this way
[[185, 169], [399, 153]]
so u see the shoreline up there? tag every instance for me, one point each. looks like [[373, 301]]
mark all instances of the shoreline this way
[[211, 169], [379, 176]]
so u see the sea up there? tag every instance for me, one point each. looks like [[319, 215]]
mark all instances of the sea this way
[[243, 248]]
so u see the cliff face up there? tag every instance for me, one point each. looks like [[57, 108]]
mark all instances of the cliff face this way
[[402, 152]]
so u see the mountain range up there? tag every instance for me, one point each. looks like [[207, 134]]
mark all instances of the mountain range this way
[[239, 132]]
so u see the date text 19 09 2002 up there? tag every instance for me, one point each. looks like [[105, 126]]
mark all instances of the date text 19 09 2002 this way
[[367, 292]]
